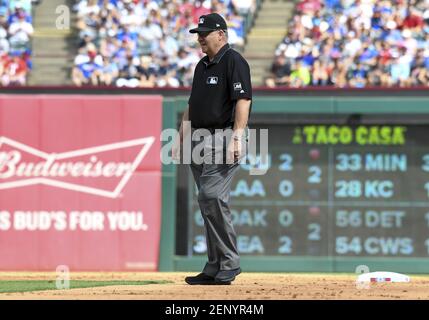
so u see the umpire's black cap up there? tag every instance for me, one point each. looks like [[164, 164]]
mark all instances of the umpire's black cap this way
[[210, 22]]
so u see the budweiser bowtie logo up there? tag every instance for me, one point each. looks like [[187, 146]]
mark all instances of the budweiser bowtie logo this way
[[84, 170]]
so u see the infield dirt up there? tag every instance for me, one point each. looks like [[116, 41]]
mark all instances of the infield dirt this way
[[263, 286]]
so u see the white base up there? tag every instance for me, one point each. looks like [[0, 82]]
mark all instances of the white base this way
[[383, 276]]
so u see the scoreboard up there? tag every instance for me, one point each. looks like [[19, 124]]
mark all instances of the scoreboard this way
[[334, 186]]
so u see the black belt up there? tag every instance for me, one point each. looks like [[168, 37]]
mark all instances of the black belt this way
[[212, 130]]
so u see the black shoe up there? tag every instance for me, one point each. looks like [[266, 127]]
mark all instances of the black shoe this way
[[201, 278], [227, 276]]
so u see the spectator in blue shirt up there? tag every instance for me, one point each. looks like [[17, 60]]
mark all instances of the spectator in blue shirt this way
[[87, 73]]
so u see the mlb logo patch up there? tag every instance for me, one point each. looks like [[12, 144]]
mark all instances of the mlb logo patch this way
[[212, 80], [201, 21], [237, 86]]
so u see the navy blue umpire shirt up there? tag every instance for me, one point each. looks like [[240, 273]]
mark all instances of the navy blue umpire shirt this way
[[216, 87]]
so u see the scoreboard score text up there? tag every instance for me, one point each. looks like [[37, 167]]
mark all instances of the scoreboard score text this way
[[330, 189]]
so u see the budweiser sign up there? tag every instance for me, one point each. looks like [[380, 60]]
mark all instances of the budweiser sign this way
[[22, 165]]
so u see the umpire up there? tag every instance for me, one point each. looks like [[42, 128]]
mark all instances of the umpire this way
[[220, 99]]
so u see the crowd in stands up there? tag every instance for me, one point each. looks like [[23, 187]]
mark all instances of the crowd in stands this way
[[359, 43], [16, 30], [146, 43]]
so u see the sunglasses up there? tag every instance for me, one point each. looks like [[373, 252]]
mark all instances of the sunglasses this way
[[206, 33]]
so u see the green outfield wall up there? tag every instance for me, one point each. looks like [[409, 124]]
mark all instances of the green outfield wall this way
[[399, 246]]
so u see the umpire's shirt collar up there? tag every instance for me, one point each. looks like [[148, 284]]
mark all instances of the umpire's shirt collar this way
[[217, 57]]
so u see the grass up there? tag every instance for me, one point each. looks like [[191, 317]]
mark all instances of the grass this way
[[10, 286]]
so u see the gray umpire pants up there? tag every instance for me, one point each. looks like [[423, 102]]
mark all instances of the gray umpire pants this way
[[214, 178]]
